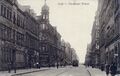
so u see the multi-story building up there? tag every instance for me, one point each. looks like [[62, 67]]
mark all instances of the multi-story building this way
[[16, 36], [68, 52], [107, 30], [27, 40], [108, 21], [106, 24], [95, 43], [63, 54], [74, 55], [89, 56], [50, 40], [32, 40], [117, 32]]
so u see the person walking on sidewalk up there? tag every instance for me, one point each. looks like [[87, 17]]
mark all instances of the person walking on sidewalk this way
[[9, 67], [102, 67], [113, 69], [107, 69]]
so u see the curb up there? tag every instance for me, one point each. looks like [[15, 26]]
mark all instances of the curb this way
[[61, 73], [89, 72], [28, 72]]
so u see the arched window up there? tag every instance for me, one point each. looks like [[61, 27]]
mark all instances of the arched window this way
[[43, 16], [43, 26]]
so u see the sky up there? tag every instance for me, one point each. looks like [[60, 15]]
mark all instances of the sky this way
[[73, 21]]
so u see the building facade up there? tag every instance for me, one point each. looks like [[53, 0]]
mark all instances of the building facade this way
[[26, 40], [17, 37], [88, 57], [49, 40], [108, 22], [95, 43]]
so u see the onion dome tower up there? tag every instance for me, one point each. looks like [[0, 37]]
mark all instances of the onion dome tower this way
[[45, 12]]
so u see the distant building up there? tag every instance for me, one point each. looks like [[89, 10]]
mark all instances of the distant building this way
[[88, 57], [74, 55], [70, 54], [95, 43]]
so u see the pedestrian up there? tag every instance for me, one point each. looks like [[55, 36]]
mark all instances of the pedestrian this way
[[14, 66], [9, 67], [107, 69], [57, 65], [113, 69], [102, 67]]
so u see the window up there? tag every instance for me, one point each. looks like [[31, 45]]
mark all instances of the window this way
[[5, 12], [18, 20], [43, 16], [20, 38], [5, 55], [43, 26], [9, 14], [2, 8], [5, 33], [9, 33], [10, 17], [12, 36], [47, 17], [14, 18], [22, 23]]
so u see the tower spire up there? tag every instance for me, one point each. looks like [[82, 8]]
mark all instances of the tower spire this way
[[45, 11], [45, 1]]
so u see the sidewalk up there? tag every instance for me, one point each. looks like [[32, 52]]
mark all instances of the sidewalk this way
[[23, 71], [96, 72]]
